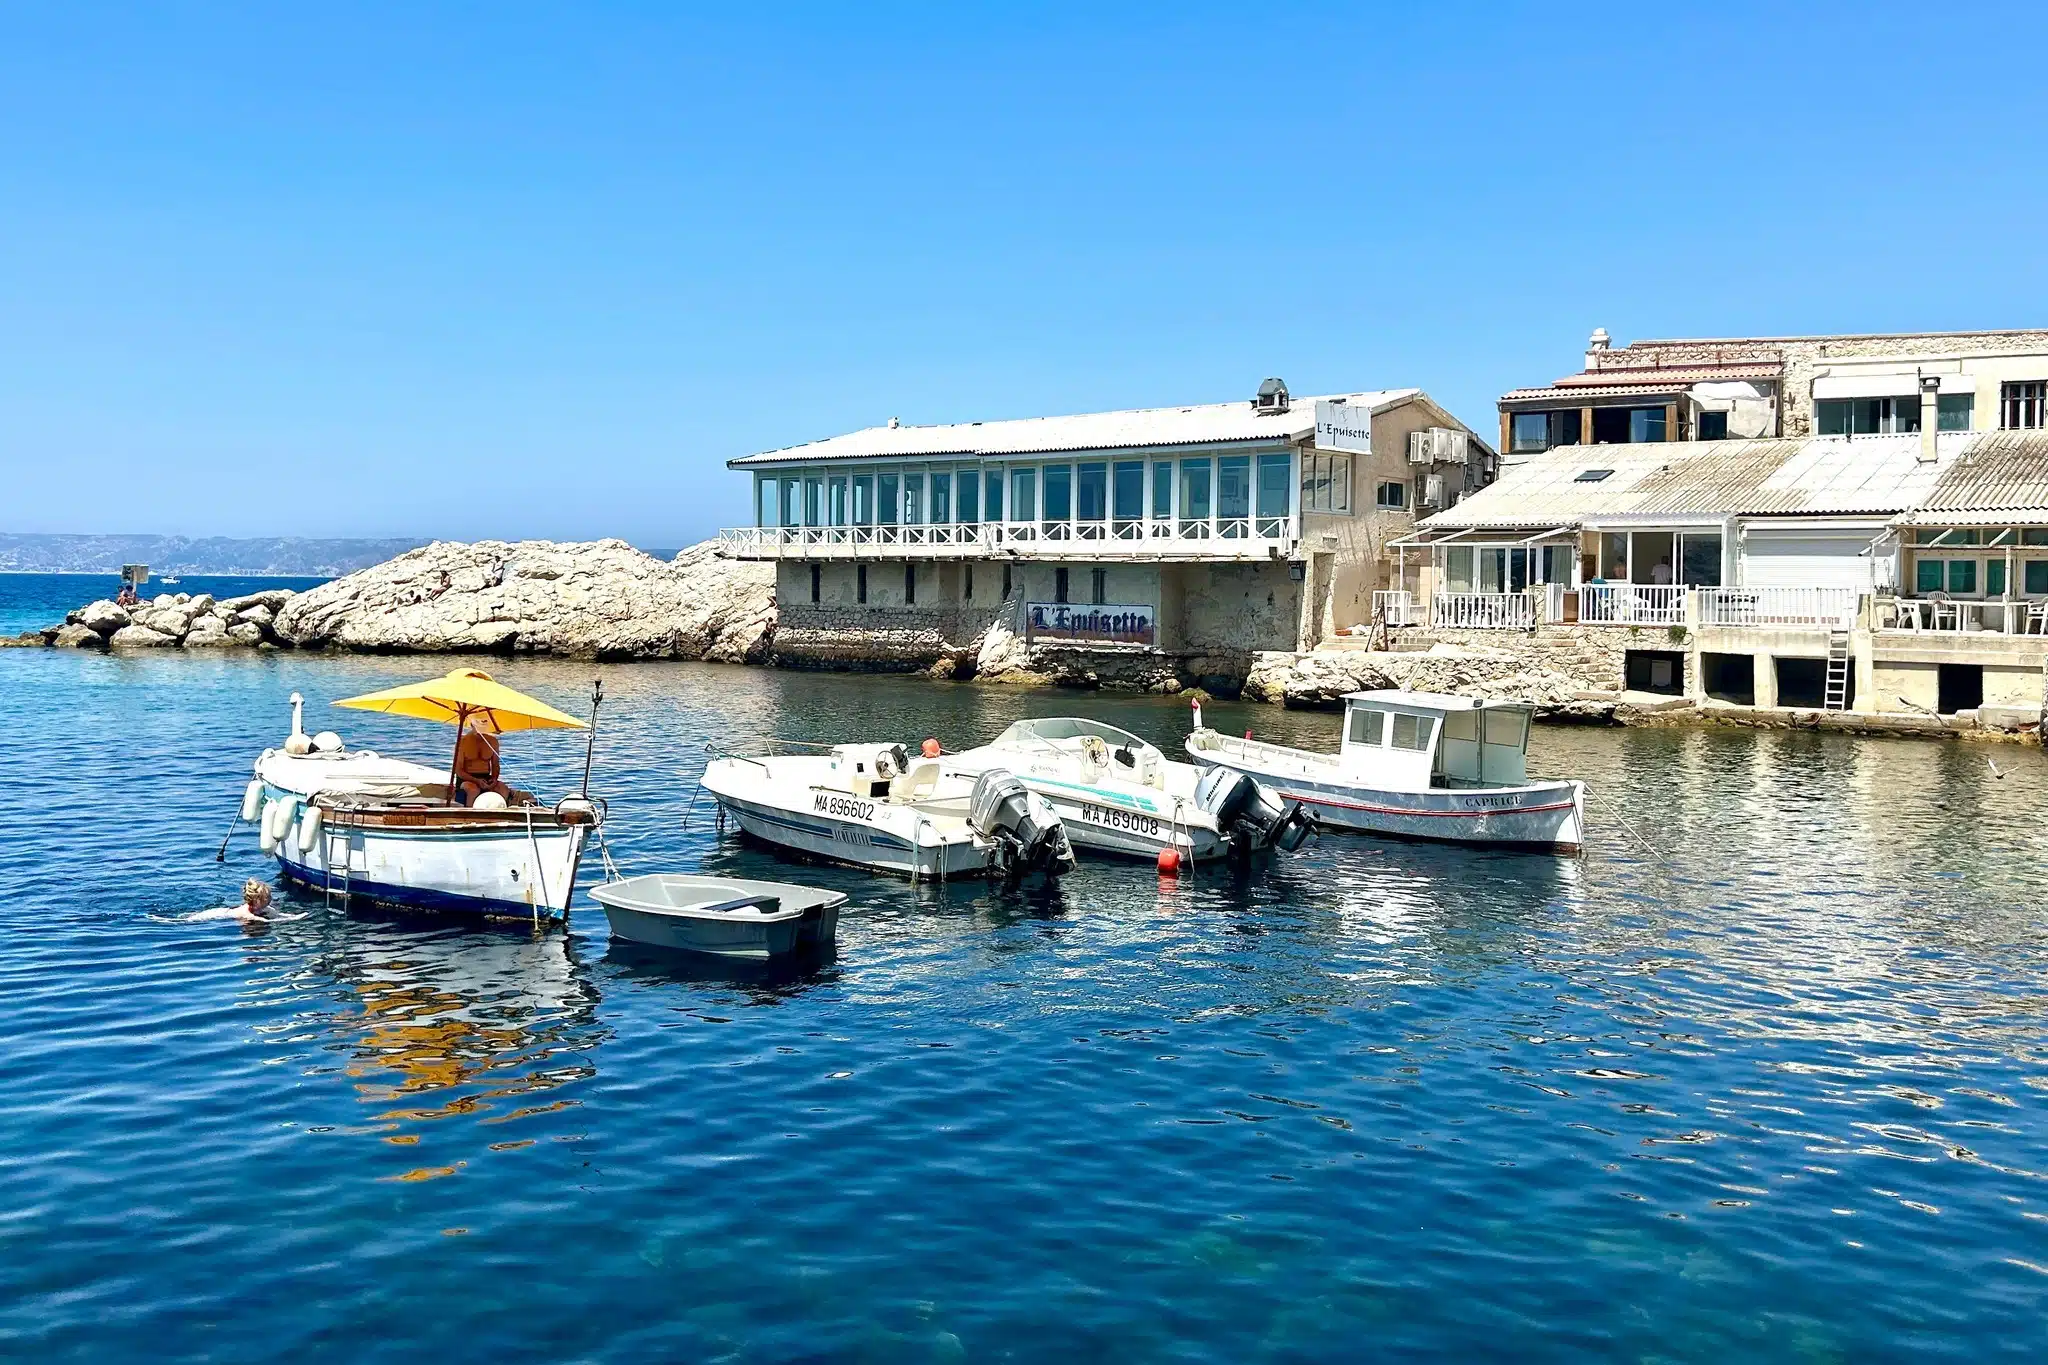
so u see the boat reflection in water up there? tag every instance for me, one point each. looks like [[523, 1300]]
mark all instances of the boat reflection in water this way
[[457, 1022]]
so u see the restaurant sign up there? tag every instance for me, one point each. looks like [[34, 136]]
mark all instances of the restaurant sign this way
[[1116, 623], [1343, 426]]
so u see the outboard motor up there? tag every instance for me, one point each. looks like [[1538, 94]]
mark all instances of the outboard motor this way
[[1023, 824], [1251, 815]]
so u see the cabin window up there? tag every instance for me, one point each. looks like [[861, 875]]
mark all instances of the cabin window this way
[[1367, 726], [1462, 725], [1506, 727], [1412, 732]]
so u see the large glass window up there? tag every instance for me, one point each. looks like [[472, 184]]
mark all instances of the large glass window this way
[[1529, 431], [1273, 484], [1234, 490], [913, 499], [1162, 488], [1994, 578], [970, 496], [1128, 494], [1059, 492], [1613, 564], [1954, 411], [836, 500], [1194, 491], [764, 503], [1962, 575], [1325, 482], [814, 501], [1091, 491], [1023, 495], [1866, 416], [888, 499], [942, 498], [1699, 559], [789, 503], [1458, 568], [1626, 426], [863, 500], [993, 486], [2035, 578]]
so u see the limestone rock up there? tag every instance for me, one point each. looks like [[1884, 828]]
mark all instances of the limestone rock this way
[[246, 633], [141, 637], [256, 613], [209, 633], [270, 600], [601, 599], [171, 621], [1322, 677], [78, 637], [104, 616], [200, 604]]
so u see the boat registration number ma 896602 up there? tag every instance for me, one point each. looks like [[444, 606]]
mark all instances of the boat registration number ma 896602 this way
[[824, 803]]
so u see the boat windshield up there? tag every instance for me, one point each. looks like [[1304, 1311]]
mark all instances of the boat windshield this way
[[1052, 730]]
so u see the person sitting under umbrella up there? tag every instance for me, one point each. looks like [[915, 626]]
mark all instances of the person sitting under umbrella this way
[[476, 770]]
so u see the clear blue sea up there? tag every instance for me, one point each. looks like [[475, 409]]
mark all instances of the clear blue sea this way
[[1774, 1088]]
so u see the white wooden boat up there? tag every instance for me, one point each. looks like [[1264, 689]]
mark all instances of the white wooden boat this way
[[1419, 765], [1119, 794], [725, 916], [352, 824], [873, 806]]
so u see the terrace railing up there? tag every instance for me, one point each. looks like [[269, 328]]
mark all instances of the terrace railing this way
[[1398, 608], [1233, 538], [1831, 607], [1482, 610], [1632, 604]]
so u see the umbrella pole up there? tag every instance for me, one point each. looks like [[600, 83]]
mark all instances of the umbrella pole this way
[[590, 740], [461, 719]]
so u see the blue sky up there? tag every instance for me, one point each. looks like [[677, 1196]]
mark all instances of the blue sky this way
[[511, 269]]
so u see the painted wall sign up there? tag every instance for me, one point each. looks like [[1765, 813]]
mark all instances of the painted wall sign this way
[[1119, 623], [1343, 426]]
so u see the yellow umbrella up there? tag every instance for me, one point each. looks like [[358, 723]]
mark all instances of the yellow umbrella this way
[[466, 698]]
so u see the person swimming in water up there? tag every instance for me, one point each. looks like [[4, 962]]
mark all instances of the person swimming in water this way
[[254, 909]]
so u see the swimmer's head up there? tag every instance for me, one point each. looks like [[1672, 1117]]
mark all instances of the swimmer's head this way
[[256, 894]]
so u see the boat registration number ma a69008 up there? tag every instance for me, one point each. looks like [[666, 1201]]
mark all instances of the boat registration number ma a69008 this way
[[1109, 817]]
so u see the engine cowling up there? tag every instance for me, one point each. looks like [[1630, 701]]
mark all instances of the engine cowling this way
[[1251, 815], [1023, 824]]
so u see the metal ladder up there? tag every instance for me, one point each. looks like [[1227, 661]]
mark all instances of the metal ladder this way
[[334, 832], [1836, 695]]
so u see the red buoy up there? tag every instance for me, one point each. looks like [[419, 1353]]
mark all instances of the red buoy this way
[[931, 748], [1169, 862]]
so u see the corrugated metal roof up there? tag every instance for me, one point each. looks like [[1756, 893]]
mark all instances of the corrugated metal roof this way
[[1571, 398], [1134, 429], [1640, 380], [1813, 476], [2003, 472]]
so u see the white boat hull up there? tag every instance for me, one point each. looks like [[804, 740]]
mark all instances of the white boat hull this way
[[1137, 827], [494, 872], [1540, 814]]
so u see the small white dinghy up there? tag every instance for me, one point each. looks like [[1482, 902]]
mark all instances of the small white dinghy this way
[[1419, 765], [1119, 794], [727, 916], [873, 806]]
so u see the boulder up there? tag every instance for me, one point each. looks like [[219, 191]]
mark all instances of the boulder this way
[[270, 599], [209, 633], [203, 602], [78, 637], [104, 616], [246, 633], [256, 614], [141, 637], [171, 621], [164, 599], [600, 599]]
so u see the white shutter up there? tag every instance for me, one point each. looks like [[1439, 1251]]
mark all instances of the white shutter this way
[[1808, 559]]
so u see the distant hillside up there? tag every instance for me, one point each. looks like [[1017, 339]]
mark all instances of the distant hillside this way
[[285, 555]]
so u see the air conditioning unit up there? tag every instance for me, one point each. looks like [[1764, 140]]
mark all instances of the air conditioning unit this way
[[1433, 491], [1418, 447], [1448, 445]]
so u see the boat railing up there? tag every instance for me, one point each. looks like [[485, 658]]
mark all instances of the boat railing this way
[[1259, 748]]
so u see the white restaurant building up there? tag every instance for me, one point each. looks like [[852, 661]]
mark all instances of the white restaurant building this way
[[1204, 532]]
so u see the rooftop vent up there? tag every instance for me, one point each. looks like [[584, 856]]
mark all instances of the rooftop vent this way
[[1592, 475], [1272, 396]]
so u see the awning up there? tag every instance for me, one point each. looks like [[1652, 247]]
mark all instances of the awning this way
[[1902, 385]]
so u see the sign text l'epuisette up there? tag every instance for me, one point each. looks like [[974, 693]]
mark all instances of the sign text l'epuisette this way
[[1120, 623]]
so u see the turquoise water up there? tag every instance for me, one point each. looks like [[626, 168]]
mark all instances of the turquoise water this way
[[31, 601], [1777, 1090]]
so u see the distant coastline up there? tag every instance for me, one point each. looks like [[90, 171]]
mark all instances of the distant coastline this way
[[219, 556]]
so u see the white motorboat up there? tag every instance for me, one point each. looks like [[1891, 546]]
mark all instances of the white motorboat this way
[[1419, 765], [352, 824], [873, 806], [727, 916], [1117, 793]]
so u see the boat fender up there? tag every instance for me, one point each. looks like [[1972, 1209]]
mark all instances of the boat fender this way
[[252, 799], [266, 829], [309, 829], [327, 742], [1196, 703], [1169, 862], [930, 748], [282, 812]]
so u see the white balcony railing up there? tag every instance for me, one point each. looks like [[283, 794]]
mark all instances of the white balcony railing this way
[[1831, 607], [1632, 604], [1955, 615], [1482, 610], [1397, 608], [1231, 538]]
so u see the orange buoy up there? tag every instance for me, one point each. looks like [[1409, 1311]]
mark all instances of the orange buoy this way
[[1247, 733], [931, 748], [1169, 862]]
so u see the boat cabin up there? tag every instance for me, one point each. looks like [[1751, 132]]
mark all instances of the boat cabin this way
[[1432, 739], [882, 772], [1101, 749]]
